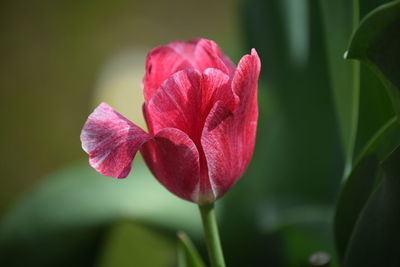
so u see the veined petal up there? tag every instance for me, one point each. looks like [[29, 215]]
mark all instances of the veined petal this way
[[245, 80], [184, 101], [209, 55], [199, 54], [161, 63], [111, 141], [216, 86], [176, 103], [220, 146], [174, 160], [184, 49], [228, 137]]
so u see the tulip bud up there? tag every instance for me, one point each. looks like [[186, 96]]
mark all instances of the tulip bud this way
[[201, 112]]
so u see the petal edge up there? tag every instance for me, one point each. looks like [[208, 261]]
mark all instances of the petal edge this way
[[111, 141]]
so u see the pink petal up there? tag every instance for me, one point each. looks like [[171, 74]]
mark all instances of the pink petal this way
[[174, 160], [176, 103], [184, 49], [245, 80], [209, 55], [200, 54], [216, 86], [161, 63], [184, 101], [111, 141], [203, 54], [228, 138]]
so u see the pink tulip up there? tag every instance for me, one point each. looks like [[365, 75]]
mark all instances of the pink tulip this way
[[201, 112]]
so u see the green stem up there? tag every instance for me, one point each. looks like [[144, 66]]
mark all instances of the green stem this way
[[211, 234]]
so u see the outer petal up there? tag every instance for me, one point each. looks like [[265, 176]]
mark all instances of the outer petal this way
[[161, 63], [228, 138], [209, 55], [200, 54], [184, 101], [111, 141], [176, 103], [174, 160], [216, 86], [203, 54]]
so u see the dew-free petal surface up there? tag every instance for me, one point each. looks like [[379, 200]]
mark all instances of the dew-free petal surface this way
[[174, 160], [228, 138], [111, 141]]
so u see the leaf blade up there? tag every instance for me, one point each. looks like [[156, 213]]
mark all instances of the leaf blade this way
[[188, 255]]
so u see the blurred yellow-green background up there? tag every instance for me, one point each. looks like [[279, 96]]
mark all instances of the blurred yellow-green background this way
[[61, 58], [318, 113]]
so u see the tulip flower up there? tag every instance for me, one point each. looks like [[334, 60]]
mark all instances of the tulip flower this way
[[201, 112]]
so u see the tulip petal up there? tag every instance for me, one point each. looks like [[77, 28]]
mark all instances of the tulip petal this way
[[161, 63], [174, 160], [184, 101], [200, 54], [176, 103], [228, 137], [111, 141], [245, 80], [215, 86], [209, 55]]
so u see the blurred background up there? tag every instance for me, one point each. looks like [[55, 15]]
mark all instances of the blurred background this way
[[60, 59]]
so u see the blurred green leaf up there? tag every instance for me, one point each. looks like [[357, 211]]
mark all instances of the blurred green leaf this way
[[362, 105], [129, 244], [376, 42], [61, 221], [338, 21], [297, 159], [188, 254], [375, 239], [296, 111], [361, 182]]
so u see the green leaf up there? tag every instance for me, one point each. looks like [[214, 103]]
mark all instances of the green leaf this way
[[338, 21], [375, 239], [130, 244], [361, 182], [293, 164], [290, 40], [376, 42], [187, 253], [372, 109], [60, 221], [361, 103]]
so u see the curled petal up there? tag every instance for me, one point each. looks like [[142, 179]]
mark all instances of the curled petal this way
[[228, 137], [176, 103], [209, 55], [174, 160], [111, 141], [184, 49], [199, 54], [203, 54], [184, 101], [161, 63], [245, 80], [215, 86], [221, 149]]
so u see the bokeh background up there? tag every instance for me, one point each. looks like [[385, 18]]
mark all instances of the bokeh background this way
[[60, 59], [54, 55]]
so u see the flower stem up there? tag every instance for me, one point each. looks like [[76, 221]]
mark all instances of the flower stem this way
[[211, 234]]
